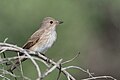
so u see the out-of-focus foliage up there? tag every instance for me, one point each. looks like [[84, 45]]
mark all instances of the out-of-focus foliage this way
[[90, 26]]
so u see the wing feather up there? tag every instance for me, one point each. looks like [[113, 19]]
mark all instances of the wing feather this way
[[33, 39]]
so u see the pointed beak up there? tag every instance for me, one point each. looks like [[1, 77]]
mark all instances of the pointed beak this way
[[60, 22]]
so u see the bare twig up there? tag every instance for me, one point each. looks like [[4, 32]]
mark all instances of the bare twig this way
[[6, 72], [76, 67], [71, 59], [37, 56], [51, 69], [5, 46], [10, 47], [3, 51], [21, 70], [5, 40], [4, 77], [100, 77]]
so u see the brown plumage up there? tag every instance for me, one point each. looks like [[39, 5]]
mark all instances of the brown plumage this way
[[41, 40]]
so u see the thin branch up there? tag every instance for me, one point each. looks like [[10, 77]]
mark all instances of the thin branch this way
[[10, 47], [18, 49], [58, 67], [35, 64], [4, 77], [3, 51], [71, 59], [76, 67], [37, 56], [5, 40], [100, 77], [21, 70], [51, 69], [4, 60], [6, 72]]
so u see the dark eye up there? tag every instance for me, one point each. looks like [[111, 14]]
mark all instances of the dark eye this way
[[51, 22]]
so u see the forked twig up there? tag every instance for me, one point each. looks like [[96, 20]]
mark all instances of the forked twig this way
[[100, 77], [34, 56], [71, 59], [51, 69]]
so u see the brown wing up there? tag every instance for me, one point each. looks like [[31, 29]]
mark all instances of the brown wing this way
[[33, 39], [31, 42]]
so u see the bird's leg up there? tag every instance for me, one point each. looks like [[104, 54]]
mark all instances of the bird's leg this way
[[40, 53], [47, 60], [37, 55]]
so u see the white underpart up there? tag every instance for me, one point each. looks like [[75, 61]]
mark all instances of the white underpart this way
[[51, 39]]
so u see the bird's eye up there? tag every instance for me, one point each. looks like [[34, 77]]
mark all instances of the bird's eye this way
[[51, 22]]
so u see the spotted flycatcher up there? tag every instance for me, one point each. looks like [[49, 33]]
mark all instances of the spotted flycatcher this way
[[42, 39]]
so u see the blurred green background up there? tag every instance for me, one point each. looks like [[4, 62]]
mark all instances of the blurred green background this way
[[90, 26]]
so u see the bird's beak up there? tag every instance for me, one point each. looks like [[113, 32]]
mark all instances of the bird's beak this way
[[60, 22]]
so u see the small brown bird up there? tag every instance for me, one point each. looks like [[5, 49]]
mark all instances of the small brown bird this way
[[42, 39]]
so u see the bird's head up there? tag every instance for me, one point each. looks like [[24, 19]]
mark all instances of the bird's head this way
[[50, 22]]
